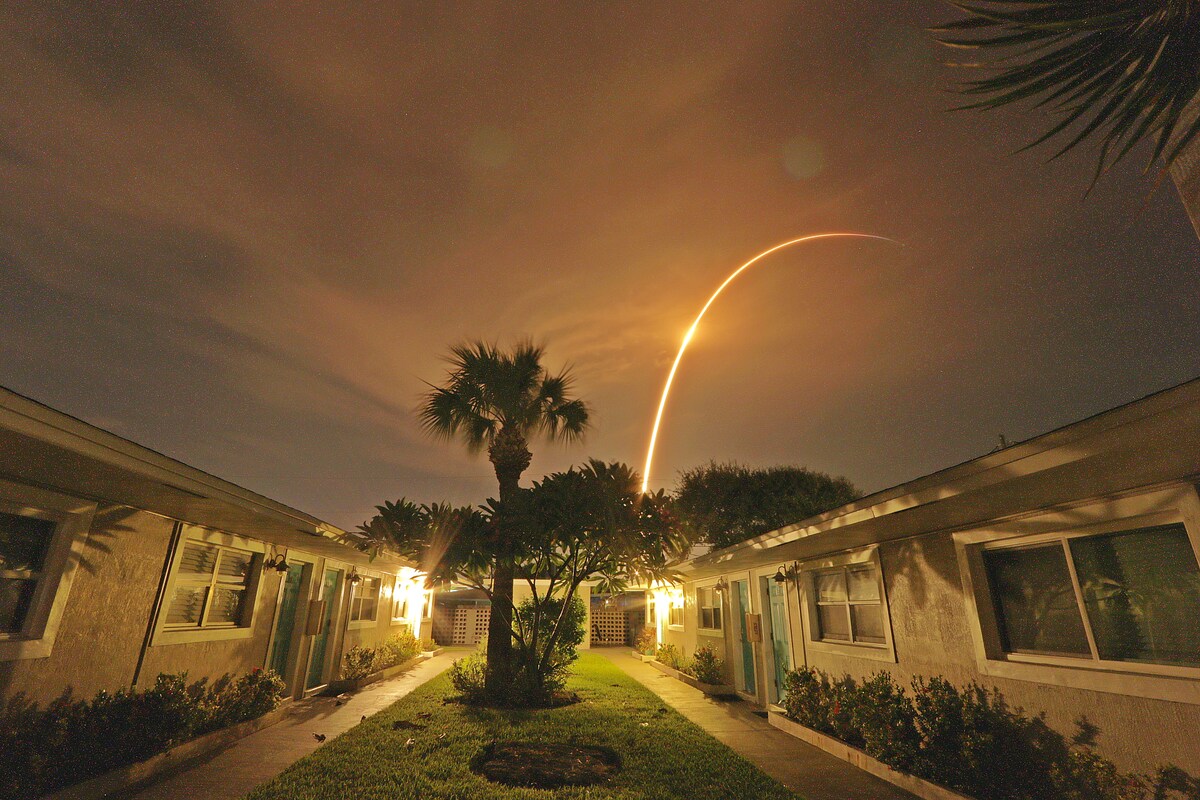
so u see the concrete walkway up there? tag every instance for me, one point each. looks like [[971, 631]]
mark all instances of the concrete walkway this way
[[809, 771], [231, 773]]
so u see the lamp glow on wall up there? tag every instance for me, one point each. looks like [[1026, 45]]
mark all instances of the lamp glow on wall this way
[[410, 590]]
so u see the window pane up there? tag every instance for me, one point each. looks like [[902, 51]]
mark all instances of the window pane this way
[[863, 584], [235, 566], [198, 559], [187, 605], [24, 542], [706, 618], [227, 606], [833, 622], [831, 586], [369, 606], [1035, 601], [1142, 592], [868, 623], [716, 618], [15, 597]]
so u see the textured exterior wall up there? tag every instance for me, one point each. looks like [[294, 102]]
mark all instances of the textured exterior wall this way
[[931, 634], [107, 613]]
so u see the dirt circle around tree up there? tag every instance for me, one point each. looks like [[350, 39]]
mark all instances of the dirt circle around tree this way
[[540, 765]]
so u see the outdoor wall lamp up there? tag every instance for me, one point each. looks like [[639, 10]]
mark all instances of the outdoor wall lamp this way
[[721, 586], [789, 573], [353, 577], [277, 563]]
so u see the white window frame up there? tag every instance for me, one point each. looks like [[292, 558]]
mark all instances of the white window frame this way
[[1175, 505], [73, 518], [168, 635], [719, 610], [365, 622], [875, 651], [673, 609]]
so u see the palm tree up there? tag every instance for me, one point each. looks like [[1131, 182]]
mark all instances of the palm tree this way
[[501, 400], [1120, 70]]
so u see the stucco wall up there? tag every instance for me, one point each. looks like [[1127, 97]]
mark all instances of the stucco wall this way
[[108, 609], [931, 634]]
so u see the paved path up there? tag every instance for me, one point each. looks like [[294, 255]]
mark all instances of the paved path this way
[[234, 771], [806, 770]]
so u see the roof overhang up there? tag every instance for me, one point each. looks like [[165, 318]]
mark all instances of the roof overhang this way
[[43, 447], [1151, 442]]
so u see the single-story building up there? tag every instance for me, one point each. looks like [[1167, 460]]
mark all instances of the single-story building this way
[[118, 563], [1061, 571]]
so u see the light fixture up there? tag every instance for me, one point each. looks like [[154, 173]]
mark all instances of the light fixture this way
[[788, 573], [721, 586], [353, 577], [277, 563]]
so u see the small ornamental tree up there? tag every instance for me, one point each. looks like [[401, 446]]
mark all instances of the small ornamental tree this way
[[590, 523]]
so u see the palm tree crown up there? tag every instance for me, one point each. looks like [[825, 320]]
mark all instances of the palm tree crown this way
[[488, 391], [1124, 70]]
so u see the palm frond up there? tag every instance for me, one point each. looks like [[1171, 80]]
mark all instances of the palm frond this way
[[1118, 71]]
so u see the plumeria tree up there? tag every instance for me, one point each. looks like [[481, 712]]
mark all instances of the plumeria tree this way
[[590, 523]]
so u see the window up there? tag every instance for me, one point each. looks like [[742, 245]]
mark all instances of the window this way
[[675, 615], [1127, 596], [364, 600], [400, 598], [708, 608], [24, 547], [848, 605], [211, 588]]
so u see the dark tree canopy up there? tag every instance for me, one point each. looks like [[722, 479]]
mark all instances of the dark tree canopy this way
[[724, 504], [1116, 70]]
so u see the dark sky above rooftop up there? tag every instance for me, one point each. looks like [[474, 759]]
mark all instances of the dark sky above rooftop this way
[[243, 234]]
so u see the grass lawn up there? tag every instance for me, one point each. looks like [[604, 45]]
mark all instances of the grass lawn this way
[[664, 755]]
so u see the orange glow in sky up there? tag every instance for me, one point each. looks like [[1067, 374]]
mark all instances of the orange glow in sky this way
[[662, 403]]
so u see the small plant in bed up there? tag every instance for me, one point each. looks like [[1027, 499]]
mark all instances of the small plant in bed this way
[[706, 667]]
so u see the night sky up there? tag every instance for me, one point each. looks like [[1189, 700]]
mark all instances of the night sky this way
[[244, 235]]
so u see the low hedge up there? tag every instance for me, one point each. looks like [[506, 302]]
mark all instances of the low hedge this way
[[359, 662], [969, 740], [72, 739]]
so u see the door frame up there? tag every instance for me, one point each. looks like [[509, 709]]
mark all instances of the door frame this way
[[297, 658], [737, 613], [335, 631], [765, 580]]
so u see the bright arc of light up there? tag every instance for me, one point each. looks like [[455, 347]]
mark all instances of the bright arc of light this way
[[662, 404]]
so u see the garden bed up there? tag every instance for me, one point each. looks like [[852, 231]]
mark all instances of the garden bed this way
[[422, 747], [353, 685], [119, 782], [641, 656], [918, 786], [710, 689]]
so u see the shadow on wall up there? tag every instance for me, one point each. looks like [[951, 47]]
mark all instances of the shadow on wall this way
[[918, 561]]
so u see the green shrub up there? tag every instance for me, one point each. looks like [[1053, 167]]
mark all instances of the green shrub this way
[[646, 641], [706, 667], [397, 648], [358, 662], [468, 676], [536, 681], [669, 654], [969, 740], [71, 740]]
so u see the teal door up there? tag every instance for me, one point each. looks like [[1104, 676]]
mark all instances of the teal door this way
[[320, 644], [781, 647], [746, 673], [285, 623]]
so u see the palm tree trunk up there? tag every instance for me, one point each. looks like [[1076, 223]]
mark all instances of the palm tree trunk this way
[[1185, 170], [510, 457]]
